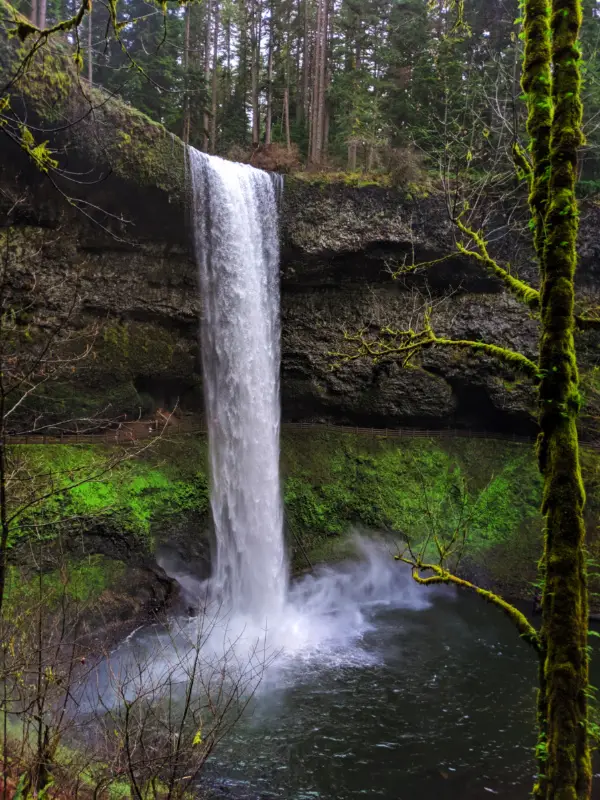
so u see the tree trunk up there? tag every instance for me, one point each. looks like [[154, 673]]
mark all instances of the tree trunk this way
[[242, 79], [313, 94], [42, 13], [320, 123], [213, 105], [205, 119], [90, 64], [327, 62], [286, 117], [554, 125], [352, 155], [256, 31], [297, 50], [317, 99], [269, 116], [186, 69], [305, 65], [33, 15], [228, 58]]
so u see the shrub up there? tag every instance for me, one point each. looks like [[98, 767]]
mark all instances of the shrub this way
[[405, 165], [272, 157]]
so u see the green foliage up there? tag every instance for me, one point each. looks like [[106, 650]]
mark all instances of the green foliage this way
[[136, 496], [343, 480], [355, 179], [588, 188], [39, 153], [332, 483], [81, 580]]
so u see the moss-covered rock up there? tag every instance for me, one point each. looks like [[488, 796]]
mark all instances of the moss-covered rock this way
[[99, 539], [102, 128], [334, 483], [337, 482], [136, 496]]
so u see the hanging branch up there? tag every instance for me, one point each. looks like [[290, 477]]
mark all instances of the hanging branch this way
[[406, 344], [443, 576], [520, 289]]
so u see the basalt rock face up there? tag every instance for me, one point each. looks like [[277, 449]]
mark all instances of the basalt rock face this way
[[341, 246], [110, 226], [133, 269]]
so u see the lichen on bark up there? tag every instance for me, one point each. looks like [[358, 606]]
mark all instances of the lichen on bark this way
[[564, 600], [537, 87]]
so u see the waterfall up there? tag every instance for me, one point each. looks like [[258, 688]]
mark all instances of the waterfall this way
[[235, 221]]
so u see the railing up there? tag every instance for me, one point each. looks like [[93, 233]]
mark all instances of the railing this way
[[408, 433], [109, 437], [130, 435]]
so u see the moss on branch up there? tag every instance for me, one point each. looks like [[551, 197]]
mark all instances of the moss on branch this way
[[584, 322], [522, 164], [406, 344], [520, 289], [536, 82], [442, 575]]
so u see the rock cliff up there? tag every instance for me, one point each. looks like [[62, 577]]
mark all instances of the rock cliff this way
[[120, 233]]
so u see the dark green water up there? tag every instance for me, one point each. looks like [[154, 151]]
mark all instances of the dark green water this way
[[379, 688], [431, 704]]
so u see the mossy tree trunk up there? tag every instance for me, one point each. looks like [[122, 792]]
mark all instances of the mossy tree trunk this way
[[552, 85], [563, 699]]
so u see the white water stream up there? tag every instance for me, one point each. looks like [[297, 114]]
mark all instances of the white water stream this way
[[250, 615], [351, 697], [235, 218], [237, 249]]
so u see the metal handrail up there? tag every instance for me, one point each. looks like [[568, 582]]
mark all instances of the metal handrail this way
[[125, 435]]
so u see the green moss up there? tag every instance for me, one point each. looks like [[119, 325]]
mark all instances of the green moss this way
[[354, 179], [136, 496], [562, 705], [137, 148], [537, 88], [83, 580], [510, 386], [417, 190], [131, 349], [521, 290], [106, 385], [336, 481], [333, 482], [143, 150]]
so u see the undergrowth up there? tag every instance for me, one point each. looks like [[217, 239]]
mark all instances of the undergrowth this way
[[333, 483]]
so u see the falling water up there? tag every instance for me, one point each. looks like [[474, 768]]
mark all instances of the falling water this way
[[237, 249], [318, 622]]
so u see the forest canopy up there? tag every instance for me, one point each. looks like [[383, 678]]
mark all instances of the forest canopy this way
[[384, 86]]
